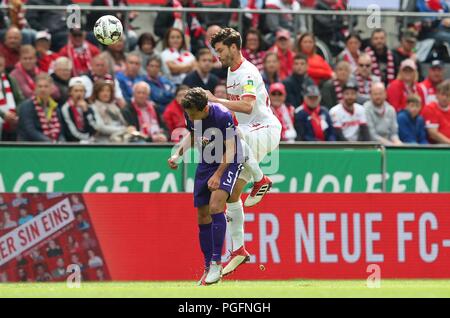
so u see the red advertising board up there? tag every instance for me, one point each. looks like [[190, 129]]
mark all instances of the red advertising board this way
[[41, 235], [325, 236]]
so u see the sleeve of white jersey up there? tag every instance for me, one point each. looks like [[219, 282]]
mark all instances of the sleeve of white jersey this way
[[248, 84]]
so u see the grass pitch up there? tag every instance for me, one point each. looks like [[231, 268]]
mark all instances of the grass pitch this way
[[234, 289]]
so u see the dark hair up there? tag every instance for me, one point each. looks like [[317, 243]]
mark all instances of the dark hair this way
[[146, 37], [256, 32], [201, 52], [353, 35], [195, 99], [301, 56], [98, 86], [378, 30], [228, 37], [166, 38], [181, 88], [154, 58]]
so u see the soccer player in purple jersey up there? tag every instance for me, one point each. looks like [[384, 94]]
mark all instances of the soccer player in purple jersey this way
[[211, 129]]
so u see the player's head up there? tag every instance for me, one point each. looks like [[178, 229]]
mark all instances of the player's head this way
[[227, 43], [194, 103]]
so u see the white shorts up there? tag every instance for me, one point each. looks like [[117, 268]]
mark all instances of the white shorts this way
[[262, 139]]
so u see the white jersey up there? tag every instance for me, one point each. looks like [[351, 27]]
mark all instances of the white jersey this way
[[348, 122], [247, 81]]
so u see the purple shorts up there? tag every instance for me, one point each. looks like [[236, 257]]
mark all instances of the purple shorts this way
[[204, 173]]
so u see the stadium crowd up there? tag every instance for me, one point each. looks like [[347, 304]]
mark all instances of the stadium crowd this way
[[60, 84]]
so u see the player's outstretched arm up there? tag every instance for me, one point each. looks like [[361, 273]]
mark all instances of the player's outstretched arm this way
[[186, 143], [245, 105]]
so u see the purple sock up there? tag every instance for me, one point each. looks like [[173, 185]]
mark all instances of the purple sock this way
[[219, 227], [205, 235]]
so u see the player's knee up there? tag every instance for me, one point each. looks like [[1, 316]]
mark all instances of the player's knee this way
[[216, 207], [203, 215], [204, 219]]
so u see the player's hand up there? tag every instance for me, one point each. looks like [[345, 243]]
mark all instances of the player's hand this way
[[173, 162], [211, 97], [213, 183]]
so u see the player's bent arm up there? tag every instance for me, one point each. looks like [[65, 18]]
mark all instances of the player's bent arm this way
[[227, 158], [184, 145], [245, 105]]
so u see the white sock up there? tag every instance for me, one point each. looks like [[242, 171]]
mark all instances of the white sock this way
[[251, 164], [235, 216]]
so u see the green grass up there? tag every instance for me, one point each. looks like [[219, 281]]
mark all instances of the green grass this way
[[248, 289]]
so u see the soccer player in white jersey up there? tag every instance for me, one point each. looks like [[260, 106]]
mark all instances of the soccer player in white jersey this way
[[259, 129]]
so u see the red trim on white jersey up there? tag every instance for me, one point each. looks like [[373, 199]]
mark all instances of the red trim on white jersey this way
[[234, 69]]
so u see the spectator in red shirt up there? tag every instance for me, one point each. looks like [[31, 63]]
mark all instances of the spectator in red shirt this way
[[80, 52], [435, 77], [437, 116], [252, 50], [284, 113], [282, 47], [174, 115], [10, 47], [318, 69], [44, 55], [405, 85]]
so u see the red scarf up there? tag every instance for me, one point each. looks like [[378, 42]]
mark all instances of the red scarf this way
[[361, 84], [110, 3], [50, 127], [338, 90], [7, 101], [28, 78], [251, 4], [106, 77], [78, 117], [146, 128], [196, 28], [376, 68], [316, 121], [408, 91], [256, 58], [285, 115], [348, 57], [81, 61]]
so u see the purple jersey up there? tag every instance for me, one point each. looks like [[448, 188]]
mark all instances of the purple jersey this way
[[208, 141], [210, 135]]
